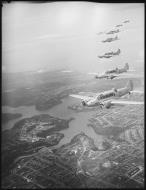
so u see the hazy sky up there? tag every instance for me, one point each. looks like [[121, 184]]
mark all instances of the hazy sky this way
[[64, 35]]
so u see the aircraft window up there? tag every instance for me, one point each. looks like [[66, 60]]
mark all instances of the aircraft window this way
[[112, 94], [108, 95]]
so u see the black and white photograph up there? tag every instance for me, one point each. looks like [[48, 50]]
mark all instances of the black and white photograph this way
[[72, 95]]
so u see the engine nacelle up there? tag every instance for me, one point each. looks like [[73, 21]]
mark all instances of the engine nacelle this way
[[107, 104], [83, 103], [114, 89]]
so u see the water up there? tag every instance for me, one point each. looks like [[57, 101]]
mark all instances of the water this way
[[79, 124]]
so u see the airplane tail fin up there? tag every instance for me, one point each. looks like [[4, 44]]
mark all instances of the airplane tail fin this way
[[129, 85], [126, 66]]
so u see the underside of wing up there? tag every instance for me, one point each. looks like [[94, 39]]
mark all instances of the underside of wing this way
[[137, 91], [129, 75], [80, 97], [127, 102], [131, 70], [92, 73]]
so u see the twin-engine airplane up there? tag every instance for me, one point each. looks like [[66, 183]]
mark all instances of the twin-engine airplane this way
[[113, 53], [106, 76], [103, 76], [110, 39], [110, 54], [113, 31], [126, 21], [111, 74], [108, 98], [118, 71], [119, 25]]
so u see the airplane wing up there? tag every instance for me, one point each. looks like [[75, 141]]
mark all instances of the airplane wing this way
[[131, 70], [126, 102], [137, 91], [92, 73], [81, 97], [99, 74], [129, 75]]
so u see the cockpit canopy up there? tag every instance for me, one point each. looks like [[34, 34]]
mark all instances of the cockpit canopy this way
[[100, 96]]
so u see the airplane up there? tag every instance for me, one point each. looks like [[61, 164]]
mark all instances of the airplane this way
[[105, 56], [108, 98], [103, 76], [113, 31], [110, 54], [126, 21], [109, 74], [99, 33], [106, 76], [118, 25], [114, 53], [118, 71], [110, 39]]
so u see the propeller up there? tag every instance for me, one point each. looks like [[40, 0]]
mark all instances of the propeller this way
[[105, 104]]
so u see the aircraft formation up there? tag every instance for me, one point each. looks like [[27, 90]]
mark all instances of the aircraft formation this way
[[111, 39], [111, 97]]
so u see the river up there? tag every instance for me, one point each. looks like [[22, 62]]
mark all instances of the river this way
[[79, 124]]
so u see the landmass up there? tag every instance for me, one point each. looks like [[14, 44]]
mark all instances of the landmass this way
[[80, 164], [30, 134], [116, 162], [43, 90]]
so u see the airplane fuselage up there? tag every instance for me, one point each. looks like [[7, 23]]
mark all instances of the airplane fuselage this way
[[113, 53], [126, 21], [105, 77], [110, 39], [121, 70], [113, 31], [111, 71], [119, 25]]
